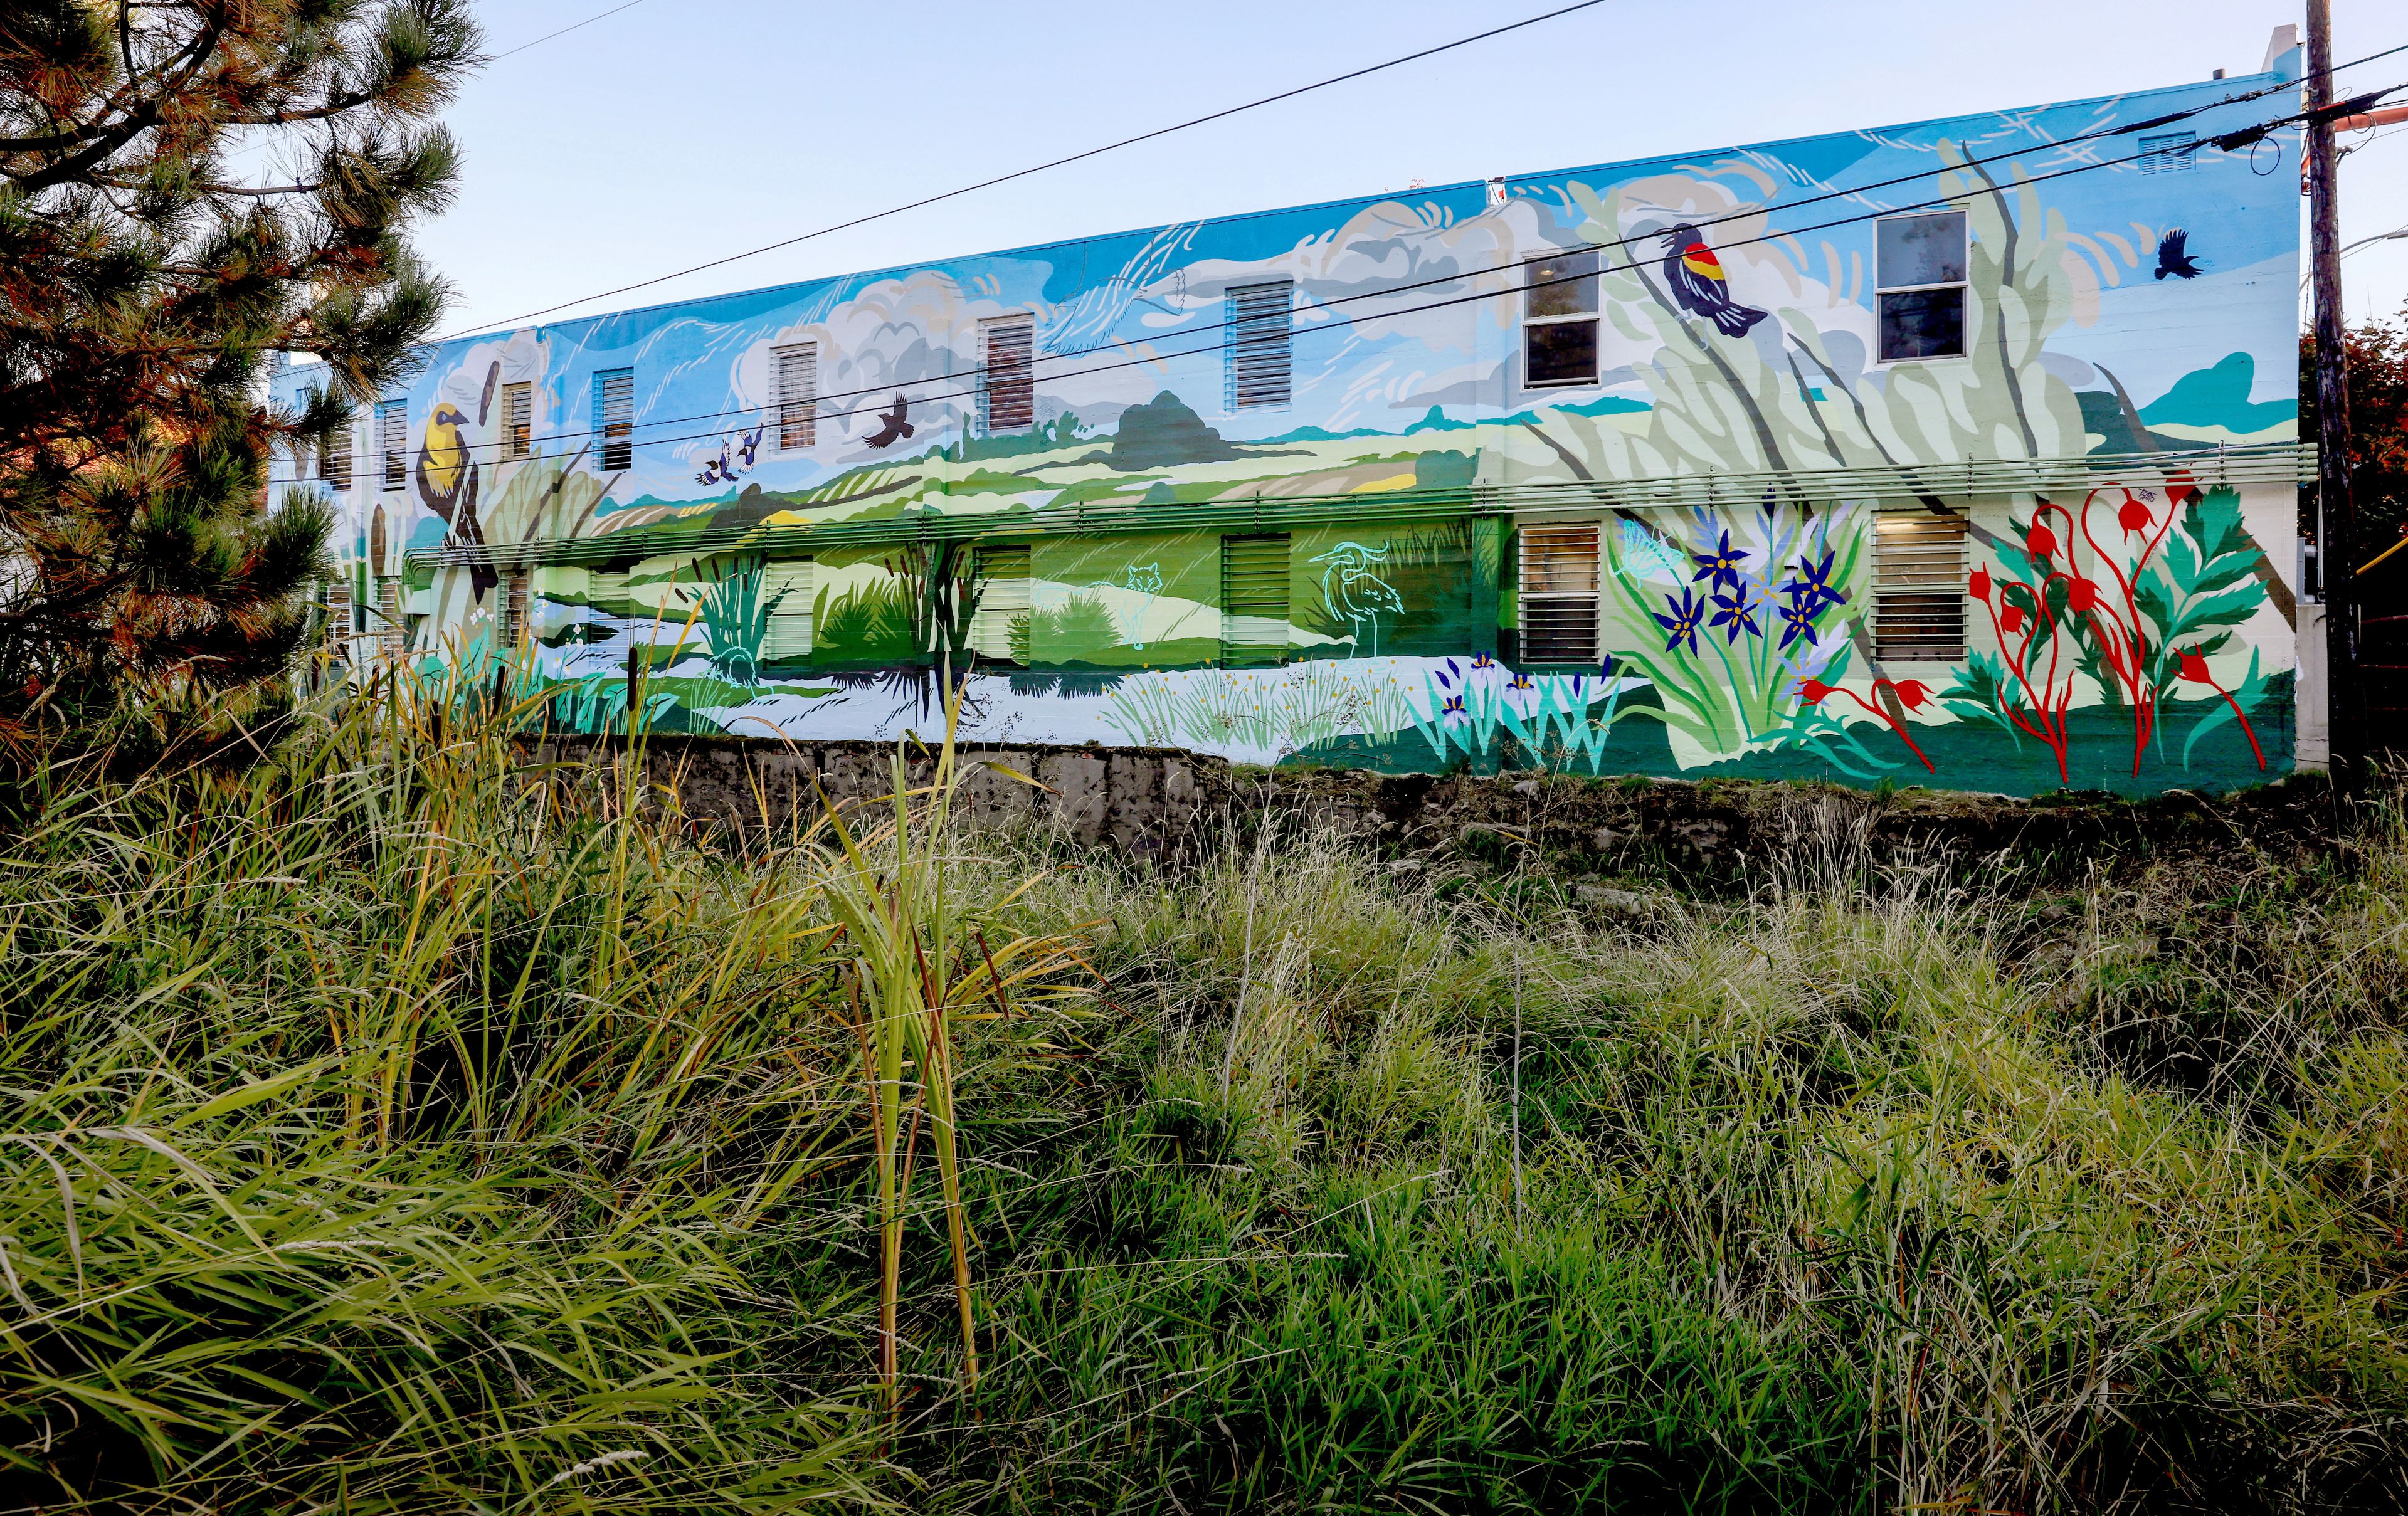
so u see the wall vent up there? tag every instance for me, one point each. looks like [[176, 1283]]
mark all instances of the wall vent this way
[[1259, 337], [2175, 153]]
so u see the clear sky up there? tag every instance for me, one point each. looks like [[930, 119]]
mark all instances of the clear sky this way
[[679, 131]]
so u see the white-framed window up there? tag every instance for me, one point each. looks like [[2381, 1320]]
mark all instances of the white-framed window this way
[[1559, 319], [1258, 336], [518, 420], [1558, 608], [335, 459], [1918, 587], [1007, 374], [786, 590], [1919, 270], [393, 442], [797, 383]]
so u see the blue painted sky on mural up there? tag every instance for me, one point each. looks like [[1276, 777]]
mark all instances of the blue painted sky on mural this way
[[670, 134]]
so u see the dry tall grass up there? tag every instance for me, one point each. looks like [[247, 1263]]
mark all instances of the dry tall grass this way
[[403, 1126]]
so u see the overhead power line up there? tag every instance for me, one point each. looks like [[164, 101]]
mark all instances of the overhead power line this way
[[1144, 136], [1387, 292], [767, 412], [564, 30], [1039, 168]]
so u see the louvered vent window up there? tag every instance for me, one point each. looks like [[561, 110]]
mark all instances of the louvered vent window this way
[[518, 420], [786, 592], [798, 395], [1558, 594], [337, 601], [999, 631], [1008, 395], [1919, 588], [393, 441], [2175, 153], [334, 460], [614, 418], [516, 593], [606, 591], [392, 637], [1258, 342], [1253, 601]]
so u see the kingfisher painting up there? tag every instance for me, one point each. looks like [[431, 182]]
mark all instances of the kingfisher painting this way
[[1696, 276]]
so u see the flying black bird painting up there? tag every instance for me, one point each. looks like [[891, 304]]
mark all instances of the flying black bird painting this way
[[1696, 276], [748, 444], [2172, 258], [894, 425]]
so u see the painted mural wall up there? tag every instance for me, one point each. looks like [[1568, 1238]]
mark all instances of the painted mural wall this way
[[1327, 485]]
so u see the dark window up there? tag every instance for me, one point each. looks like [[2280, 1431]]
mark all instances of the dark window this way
[[1008, 399], [392, 440], [614, 418], [798, 395], [1920, 269], [1257, 341], [1559, 319], [2176, 152], [1253, 601], [1919, 588]]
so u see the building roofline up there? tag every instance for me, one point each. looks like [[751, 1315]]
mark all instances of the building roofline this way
[[2234, 84]]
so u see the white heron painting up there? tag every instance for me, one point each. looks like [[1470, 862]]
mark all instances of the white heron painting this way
[[1352, 592]]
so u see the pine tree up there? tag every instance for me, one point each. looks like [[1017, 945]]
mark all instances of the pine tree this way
[[187, 187]]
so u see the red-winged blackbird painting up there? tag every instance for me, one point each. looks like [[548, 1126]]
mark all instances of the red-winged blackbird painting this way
[[1697, 279]]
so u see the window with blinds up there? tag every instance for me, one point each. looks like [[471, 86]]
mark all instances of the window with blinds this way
[[1559, 596], [1253, 601], [786, 590], [518, 420], [1003, 601], [393, 441], [1919, 588], [614, 418], [1008, 382], [1258, 337], [334, 460], [798, 394]]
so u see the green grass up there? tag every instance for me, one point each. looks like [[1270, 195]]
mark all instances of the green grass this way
[[447, 1132]]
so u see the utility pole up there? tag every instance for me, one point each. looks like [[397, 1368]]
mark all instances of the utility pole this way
[[2337, 509]]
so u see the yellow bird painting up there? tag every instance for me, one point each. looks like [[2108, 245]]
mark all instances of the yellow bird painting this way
[[447, 485]]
